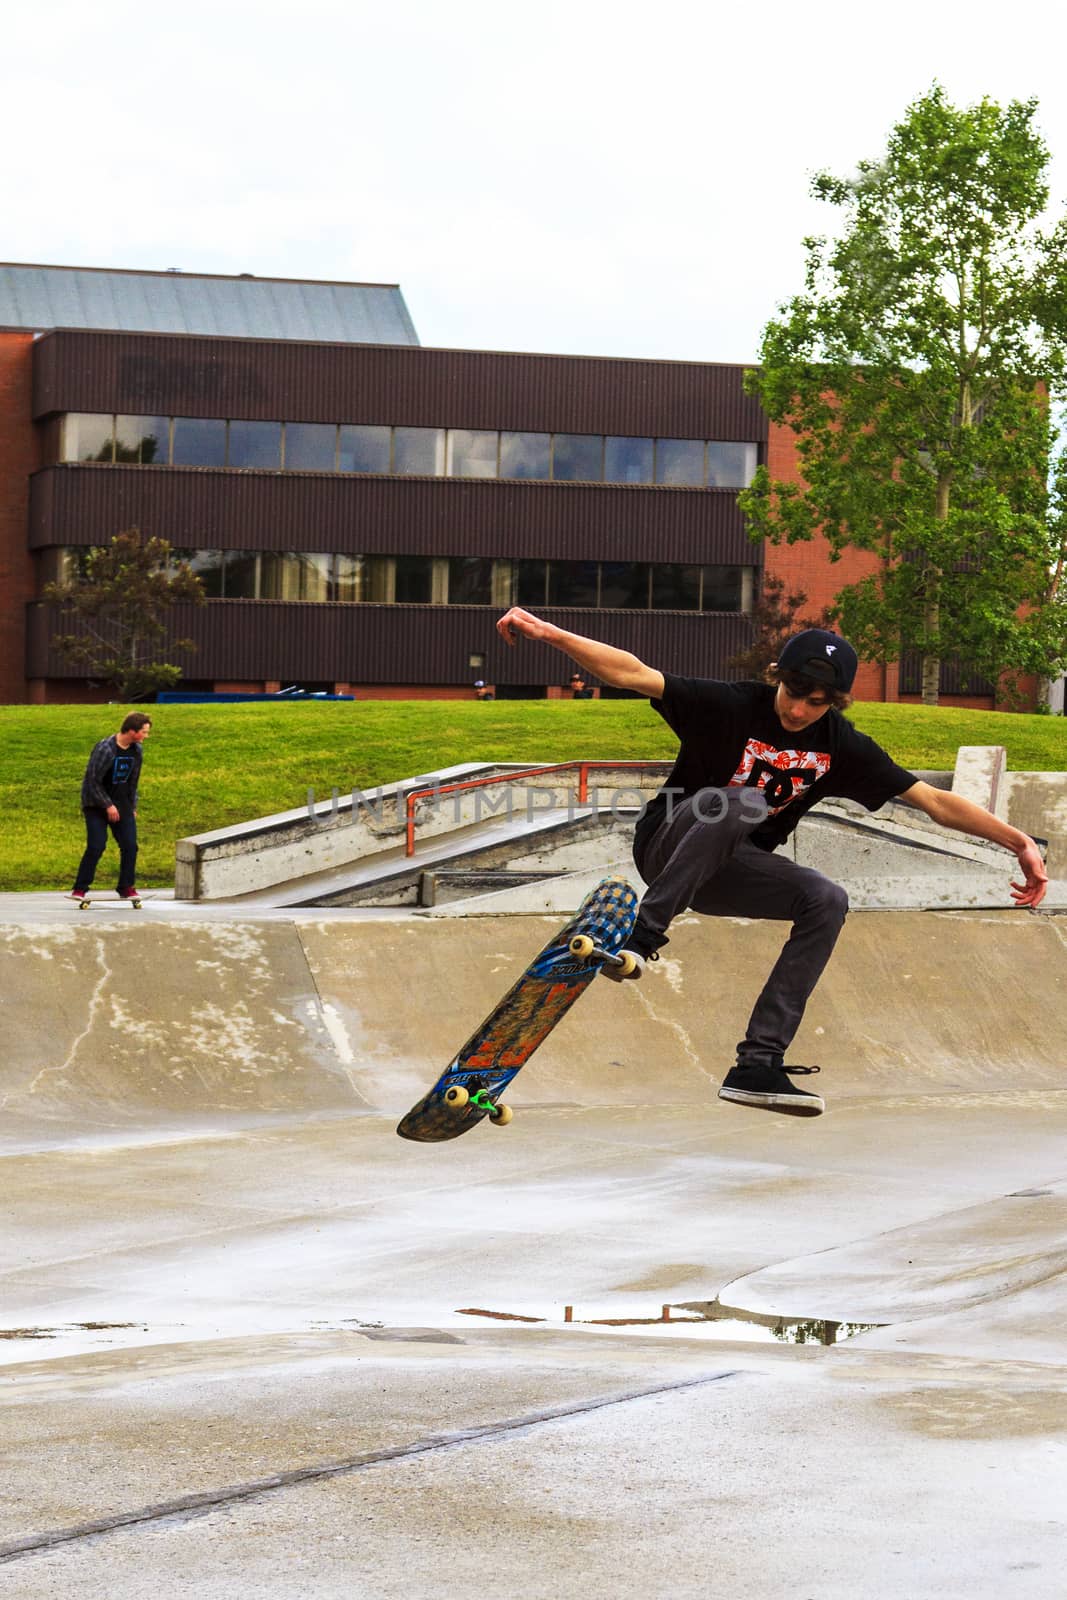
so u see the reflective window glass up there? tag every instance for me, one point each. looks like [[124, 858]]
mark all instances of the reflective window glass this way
[[310, 446], [255, 444], [207, 565], [577, 457], [731, 466], [722, 589], [363, 448], [87, 436], [627, 460], [199, 442], [680, 461], [241, 575], [525, 455], [624, 585], [471, 453], [294, 575], [62, 565], [349, 578], [419, 451], [531, 583], [379, 578], [142, 440], [414, 579], [675, 587], [470, 581], [572, 583]]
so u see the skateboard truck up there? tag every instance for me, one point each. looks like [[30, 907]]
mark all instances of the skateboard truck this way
[[584, 949], [457, 1097]]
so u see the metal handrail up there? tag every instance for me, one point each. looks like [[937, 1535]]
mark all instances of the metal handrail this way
[[583, 768]]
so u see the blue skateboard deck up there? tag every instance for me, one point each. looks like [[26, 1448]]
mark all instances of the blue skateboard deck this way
[[469, 1089]]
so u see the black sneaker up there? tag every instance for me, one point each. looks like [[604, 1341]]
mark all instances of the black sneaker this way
[[643, 946], [766, 1084]]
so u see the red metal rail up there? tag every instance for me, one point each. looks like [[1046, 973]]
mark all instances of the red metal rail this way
[[583, 769]]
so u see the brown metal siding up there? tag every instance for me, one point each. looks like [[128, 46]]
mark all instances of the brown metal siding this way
[[290, 381], [203, 508], [249, 641]]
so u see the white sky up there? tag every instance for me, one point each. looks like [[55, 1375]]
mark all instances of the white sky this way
[[596, 178]]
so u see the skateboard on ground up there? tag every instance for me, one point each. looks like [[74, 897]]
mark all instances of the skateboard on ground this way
[[469, 1089], [124, 899]]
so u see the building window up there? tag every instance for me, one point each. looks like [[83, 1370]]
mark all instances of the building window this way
[[419, 451], [471, 453], [721, 589], [294, 575], [199, 442], [526, 455], [470, 581], [731, 466], [349, 580], [255, 444], [624, 585], [578, 457], [241, 575], [87, 436], [680, 462], [530, 582], [424, 452], [573, 583], [675, 587], [363, 449], [207, 565], [312, 447], [413, 580], [627, 460], [143, 441]]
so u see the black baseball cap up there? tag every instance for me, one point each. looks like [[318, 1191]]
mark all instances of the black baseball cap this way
[[822, 655]]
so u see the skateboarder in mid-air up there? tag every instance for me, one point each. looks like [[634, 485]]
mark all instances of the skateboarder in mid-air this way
[[109, 800], [754, 758]]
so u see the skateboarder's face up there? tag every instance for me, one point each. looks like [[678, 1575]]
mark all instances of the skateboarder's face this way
[[798, 711]]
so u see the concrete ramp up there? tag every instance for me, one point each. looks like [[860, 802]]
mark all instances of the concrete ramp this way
[[143, 1023]]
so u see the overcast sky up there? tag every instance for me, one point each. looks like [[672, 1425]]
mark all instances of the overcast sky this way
[[584, 177]]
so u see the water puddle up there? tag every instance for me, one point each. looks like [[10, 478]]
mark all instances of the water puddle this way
[[67, 1327], [704, 1319]]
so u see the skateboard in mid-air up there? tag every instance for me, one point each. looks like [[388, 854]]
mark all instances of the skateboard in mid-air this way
[[469, 1089]]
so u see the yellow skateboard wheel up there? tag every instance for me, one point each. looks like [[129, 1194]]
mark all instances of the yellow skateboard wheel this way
[[501, 1115], [582, 946], [456, 1097]]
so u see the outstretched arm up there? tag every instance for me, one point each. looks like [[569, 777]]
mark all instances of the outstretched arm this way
[[953, 811], [617, 667]]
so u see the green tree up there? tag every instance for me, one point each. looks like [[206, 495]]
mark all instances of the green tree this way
[[120, 600], [916, 370], [774, 620]]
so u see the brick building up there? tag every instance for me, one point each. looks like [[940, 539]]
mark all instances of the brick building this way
[[359, 508]]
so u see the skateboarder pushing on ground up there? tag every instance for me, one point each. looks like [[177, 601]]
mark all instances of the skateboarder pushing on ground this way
[[754, 757], [109, 800]]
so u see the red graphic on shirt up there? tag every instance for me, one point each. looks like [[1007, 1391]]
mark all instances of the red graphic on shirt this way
[[779, 775]]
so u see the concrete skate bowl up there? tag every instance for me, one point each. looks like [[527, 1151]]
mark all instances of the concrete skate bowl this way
[[157, 1025]]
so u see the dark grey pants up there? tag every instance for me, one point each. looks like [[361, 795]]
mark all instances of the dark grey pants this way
[[701, 859]]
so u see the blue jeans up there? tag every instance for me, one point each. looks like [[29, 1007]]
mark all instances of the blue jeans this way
[[124, 833]]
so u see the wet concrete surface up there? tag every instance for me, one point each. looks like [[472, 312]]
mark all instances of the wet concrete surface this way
[[287, 1400]]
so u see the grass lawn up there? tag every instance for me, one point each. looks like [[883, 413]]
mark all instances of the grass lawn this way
[[208, 766]]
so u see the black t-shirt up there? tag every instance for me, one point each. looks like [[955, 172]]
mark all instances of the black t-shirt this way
[[731, 738]]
